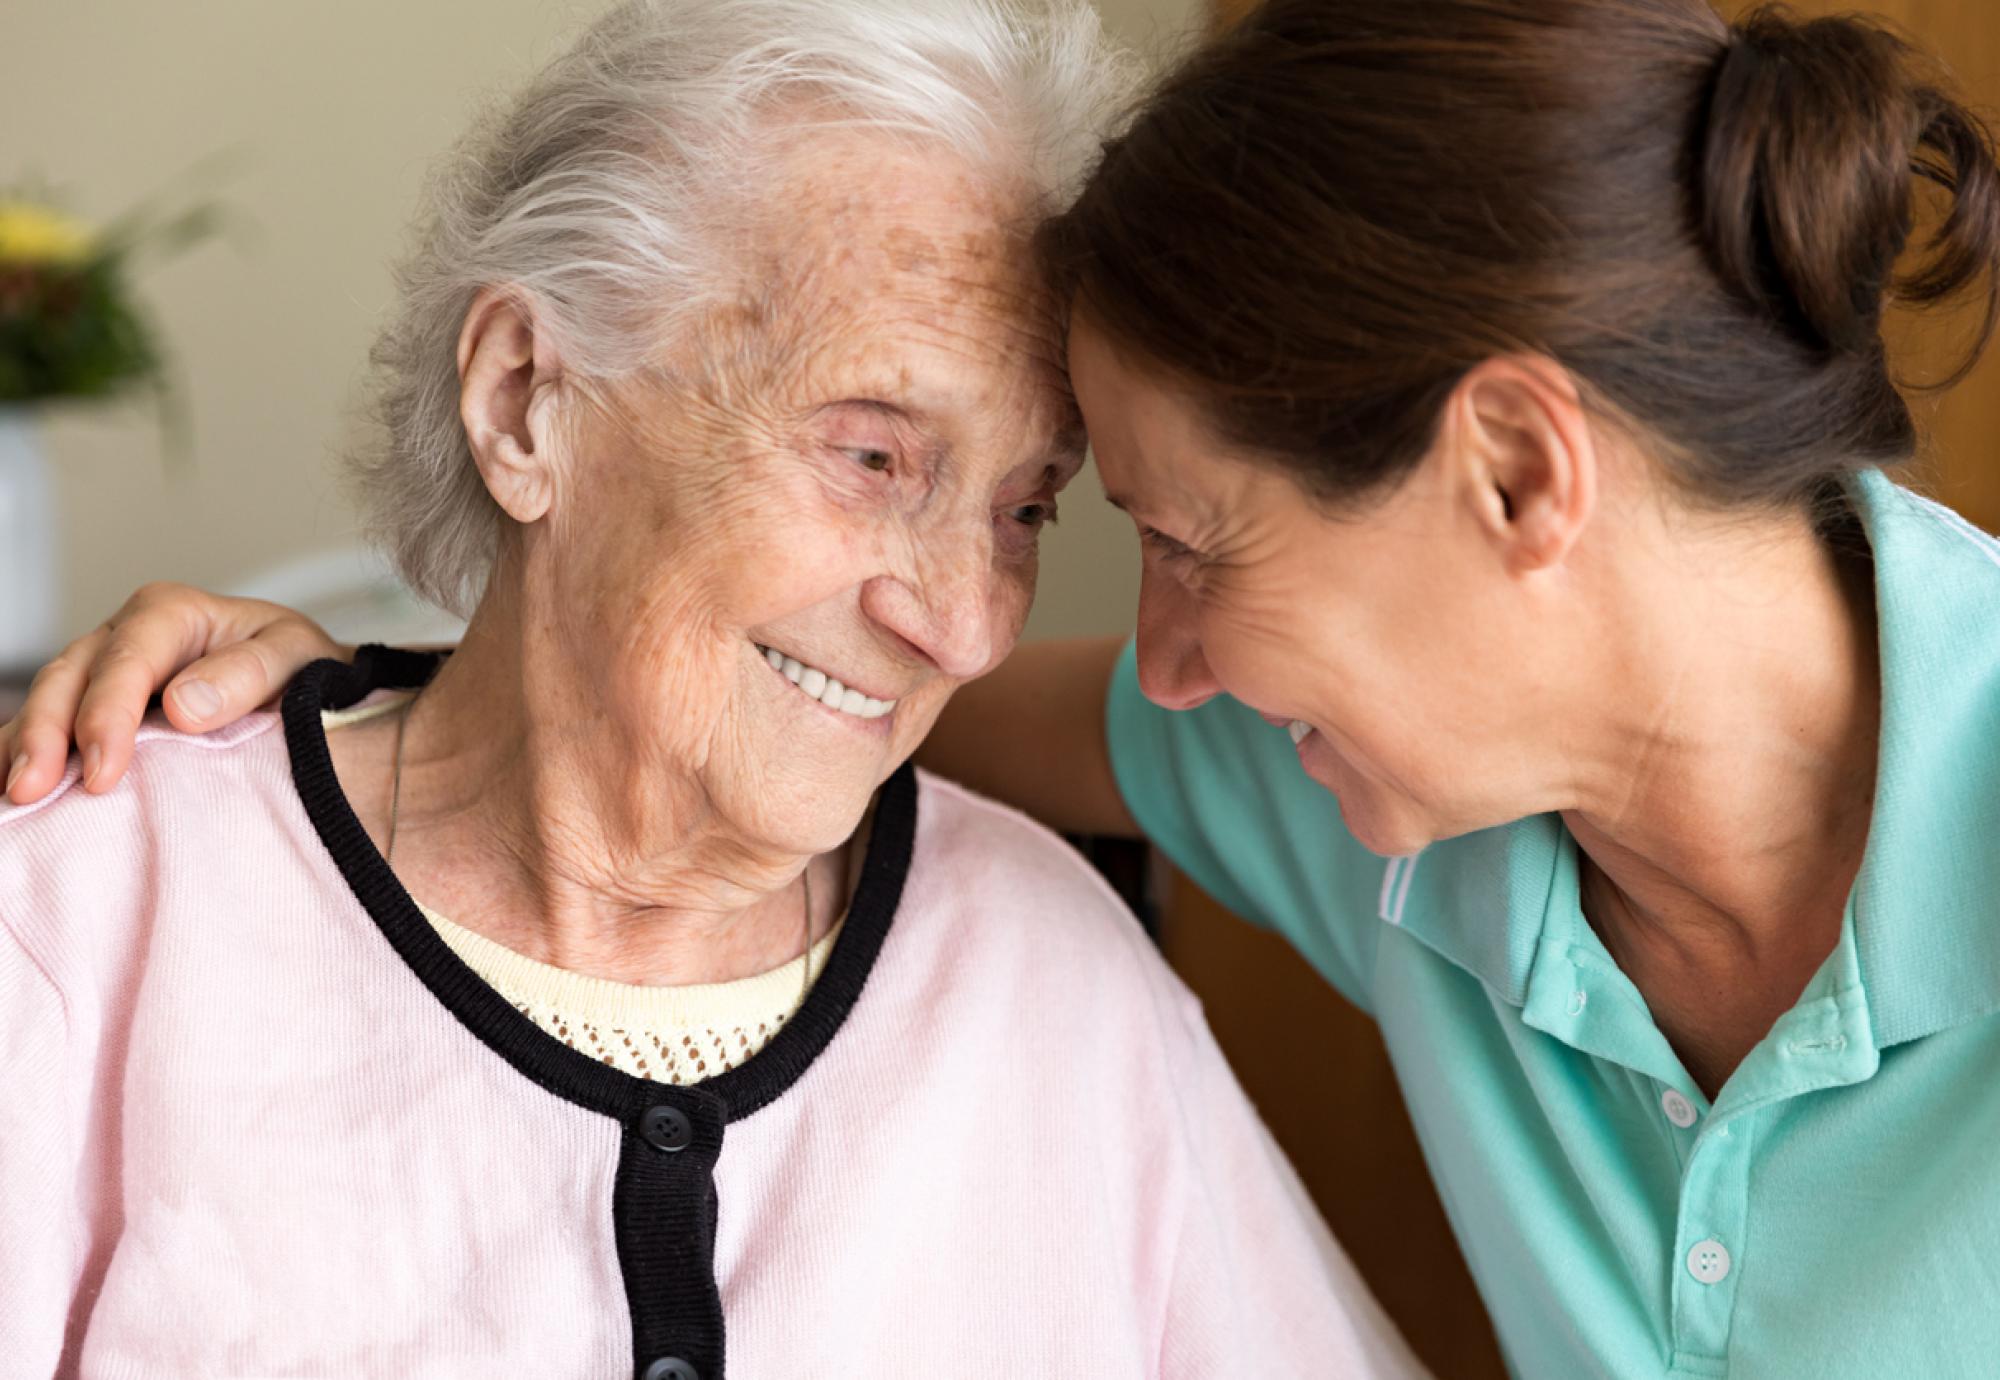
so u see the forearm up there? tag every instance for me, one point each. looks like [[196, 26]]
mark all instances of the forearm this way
[[1031, 734]]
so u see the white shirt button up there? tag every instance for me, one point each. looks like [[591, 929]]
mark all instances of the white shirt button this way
[[1709, 1261], [1679, 1110]]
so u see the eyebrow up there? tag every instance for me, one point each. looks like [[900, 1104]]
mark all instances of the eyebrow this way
[[898, 411], [1069, 453], [1047, 470]]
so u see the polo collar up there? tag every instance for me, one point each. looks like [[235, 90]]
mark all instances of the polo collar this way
[[1484, 900], [1926, 904]]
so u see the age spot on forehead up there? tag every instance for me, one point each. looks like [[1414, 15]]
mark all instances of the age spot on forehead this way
[[909, 250], [856, 246]]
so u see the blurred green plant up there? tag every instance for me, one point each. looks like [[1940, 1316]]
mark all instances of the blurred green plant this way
[[70, 326]]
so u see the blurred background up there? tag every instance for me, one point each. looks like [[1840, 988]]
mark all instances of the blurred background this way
[[323, 119]]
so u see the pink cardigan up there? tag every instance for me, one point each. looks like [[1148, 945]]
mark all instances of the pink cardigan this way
[[257, 1120]]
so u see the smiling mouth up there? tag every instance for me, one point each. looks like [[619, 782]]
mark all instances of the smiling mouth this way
[[1298, 729], [818, 686]]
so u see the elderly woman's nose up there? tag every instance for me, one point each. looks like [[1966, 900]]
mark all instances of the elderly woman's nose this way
[[946, 607]]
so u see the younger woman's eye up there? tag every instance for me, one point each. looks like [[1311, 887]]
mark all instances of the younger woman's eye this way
[[1168, 548]]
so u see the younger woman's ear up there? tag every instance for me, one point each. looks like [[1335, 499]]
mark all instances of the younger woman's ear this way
[[509, 375], [1523, 457]]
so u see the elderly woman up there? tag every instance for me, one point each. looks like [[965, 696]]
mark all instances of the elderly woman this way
[[611, 997]]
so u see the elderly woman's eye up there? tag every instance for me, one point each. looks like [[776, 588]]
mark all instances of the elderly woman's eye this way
[[868, 457], [1033, 514]]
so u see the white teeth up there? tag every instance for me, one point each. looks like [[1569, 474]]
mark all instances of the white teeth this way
[[818, 685], [1299, 729]]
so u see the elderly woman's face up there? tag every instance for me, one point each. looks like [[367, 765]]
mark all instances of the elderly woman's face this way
[[842, 480]]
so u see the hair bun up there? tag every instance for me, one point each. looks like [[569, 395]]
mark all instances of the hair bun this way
[[1814, 131]]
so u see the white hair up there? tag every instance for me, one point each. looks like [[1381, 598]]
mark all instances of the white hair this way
[[593, 194]]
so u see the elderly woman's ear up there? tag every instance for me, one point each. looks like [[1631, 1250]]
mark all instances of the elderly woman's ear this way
[[509, 381]]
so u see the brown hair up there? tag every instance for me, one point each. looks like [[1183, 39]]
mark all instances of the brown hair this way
[[1321, 221]]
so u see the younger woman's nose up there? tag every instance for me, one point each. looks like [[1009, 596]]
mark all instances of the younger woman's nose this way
[[1173, 671]]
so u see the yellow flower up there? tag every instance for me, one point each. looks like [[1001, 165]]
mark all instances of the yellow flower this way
[[36, 235]]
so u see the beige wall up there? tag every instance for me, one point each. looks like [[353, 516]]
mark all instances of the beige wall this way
[[331, 112]]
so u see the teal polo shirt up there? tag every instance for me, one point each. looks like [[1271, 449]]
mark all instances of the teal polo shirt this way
[[1835, 1212]]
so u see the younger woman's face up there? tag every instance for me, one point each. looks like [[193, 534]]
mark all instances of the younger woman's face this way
[[1394, 632]]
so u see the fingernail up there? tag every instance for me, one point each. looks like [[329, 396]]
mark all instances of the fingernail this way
[[93, 758], [197, 699], [14, 773]]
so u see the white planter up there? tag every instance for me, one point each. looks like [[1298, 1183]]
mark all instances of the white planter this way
[[29, 605]]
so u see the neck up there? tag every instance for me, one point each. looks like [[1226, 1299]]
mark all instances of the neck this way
[[1723, 793], [529, 815]]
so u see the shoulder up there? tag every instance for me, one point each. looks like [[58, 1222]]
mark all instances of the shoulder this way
[[1039, 964], [163, 759], [992, 887], [78, 869], [956, 817], [984, 845]]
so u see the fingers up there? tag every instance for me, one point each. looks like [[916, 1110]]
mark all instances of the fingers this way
[[225, 685], [160, 629], [225, 657], [35, 743]]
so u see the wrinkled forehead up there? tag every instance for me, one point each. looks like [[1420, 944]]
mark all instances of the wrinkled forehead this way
[[883, 210], [865, 253]]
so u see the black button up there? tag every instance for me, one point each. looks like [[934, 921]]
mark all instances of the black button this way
[[670, 1367], [667, 1128]]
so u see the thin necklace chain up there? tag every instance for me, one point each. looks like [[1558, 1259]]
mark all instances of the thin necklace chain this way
[[395, 808], [396, 782]]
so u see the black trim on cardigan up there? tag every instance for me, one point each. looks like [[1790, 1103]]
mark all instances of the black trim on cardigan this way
[[664, 1206]]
